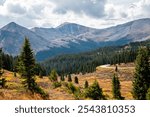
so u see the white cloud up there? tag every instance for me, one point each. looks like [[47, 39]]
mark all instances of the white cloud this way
[[143, 8], [24, 12], [94, 13]]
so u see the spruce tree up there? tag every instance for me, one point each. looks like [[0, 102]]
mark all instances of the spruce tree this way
[[116, 68], [26, 66], [116, 88], [76, 80], [141, 81], [86, 84]]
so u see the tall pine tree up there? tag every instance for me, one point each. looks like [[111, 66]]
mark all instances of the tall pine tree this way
[[141, 81], [27, 65]]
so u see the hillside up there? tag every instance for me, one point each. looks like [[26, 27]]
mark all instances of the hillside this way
[[15, 91], [86, 62]]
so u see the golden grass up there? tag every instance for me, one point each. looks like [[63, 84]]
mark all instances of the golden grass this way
[[16, 91], [104, 77]]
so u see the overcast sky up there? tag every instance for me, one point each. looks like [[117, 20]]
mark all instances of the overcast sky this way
[[93, 13]]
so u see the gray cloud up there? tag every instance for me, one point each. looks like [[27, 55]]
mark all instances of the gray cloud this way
[[146, 9], [2, 2], [4, 20], [92, 8], [124, 15], [16, 8], [25, 21]]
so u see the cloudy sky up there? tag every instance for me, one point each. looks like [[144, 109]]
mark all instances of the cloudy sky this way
[[93, 13]]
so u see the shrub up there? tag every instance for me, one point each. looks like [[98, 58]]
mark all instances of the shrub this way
[[65, 84], [53, 76], [56, 84], [40, 91], [94, 92], [72, 88], [148, 94], [78, 94]]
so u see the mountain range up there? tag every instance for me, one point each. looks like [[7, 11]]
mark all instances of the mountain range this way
[[71, 37]]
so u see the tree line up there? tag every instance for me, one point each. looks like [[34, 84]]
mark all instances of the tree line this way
[[88, 61], [82, 62]]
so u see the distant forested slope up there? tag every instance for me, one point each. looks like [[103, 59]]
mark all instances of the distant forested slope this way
[[88, 61]]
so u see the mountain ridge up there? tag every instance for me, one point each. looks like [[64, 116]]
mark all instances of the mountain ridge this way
[[71, 37]]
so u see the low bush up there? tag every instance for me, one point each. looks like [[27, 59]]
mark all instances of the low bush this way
[[94, 92], [56, 84]]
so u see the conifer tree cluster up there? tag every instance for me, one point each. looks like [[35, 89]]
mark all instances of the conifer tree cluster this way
[[2, 80], [88, 61], [6, 61]]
